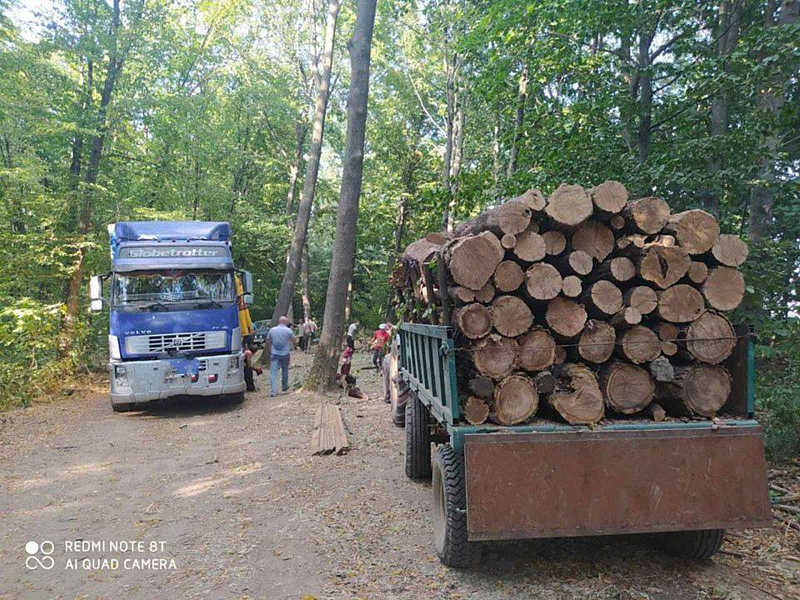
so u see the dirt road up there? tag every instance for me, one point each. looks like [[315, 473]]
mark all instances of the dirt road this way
[[227, 503]]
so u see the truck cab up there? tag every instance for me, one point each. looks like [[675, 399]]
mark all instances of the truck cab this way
[[173, 312]]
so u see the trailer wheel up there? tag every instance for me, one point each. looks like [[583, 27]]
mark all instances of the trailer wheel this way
[[450, 509], [696, 545], [418, 440]]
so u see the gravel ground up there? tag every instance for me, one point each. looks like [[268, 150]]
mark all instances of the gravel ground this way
[[231, 495]]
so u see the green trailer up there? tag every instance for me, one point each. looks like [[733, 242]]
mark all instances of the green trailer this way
[[687, 481]]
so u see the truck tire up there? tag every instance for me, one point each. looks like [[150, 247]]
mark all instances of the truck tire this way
[[450, 509], [123, 407], [695, 545], [418, 440], [399, 402]]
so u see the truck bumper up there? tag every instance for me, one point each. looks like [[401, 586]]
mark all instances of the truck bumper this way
[[530, 485], [143, 381]]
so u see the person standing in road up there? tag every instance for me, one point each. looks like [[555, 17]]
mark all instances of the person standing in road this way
[[280, 340], [378, 345], [309, 328], [249, 367], [351, 332]]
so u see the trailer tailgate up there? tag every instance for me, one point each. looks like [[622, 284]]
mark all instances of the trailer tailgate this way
[[535, 484]]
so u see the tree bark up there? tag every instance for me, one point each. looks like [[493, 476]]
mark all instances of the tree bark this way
[[323, 79], [522, 99], [323, 370]]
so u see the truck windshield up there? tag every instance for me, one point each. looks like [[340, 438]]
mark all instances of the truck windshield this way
[[164, 290]]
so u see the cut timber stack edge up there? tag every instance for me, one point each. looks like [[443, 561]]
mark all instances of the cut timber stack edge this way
[[583, 305], [328, 436]]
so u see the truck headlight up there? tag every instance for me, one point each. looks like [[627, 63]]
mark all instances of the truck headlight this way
[[120, 376], [113, 347]]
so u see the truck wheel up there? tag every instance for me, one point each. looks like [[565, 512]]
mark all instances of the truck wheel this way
[[236, 398], [450, 509], [399, 402], [124, 407], [418, 440], [696, 545]]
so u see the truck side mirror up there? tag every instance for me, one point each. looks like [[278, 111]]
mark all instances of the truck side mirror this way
[[247, 285], [96, 293]]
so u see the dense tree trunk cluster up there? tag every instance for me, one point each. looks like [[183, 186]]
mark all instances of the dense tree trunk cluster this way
[[582, 306]]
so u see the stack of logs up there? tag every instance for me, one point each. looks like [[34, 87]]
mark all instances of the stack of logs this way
[[597, 304]]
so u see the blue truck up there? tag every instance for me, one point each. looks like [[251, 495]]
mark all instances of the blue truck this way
[[173, 312]]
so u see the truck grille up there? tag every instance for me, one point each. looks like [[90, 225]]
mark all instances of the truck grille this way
[[181, 342]]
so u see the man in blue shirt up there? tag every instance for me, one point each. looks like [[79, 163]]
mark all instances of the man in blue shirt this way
[[281, 341]]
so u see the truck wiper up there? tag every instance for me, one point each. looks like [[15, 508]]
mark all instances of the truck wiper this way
[[155, 305], [209, 304]]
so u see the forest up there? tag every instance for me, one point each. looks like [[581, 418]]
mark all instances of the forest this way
[[235, 110]]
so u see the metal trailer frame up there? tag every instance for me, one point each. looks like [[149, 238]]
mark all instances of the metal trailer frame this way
[[642, 476]]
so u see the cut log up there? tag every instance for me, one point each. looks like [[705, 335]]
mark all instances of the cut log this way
[[596, 343], [554, 242], [657, 412], [511, 316], [508, 241], [664, 266], [695, 229], [639, 344], [661, 369], [577, 397], [545, 382], [461, 294], [482, 387], [474, 320], [710, 338], [511, 217], [594, 238], [486, 293], [515, 400], [642, 298], [699, 389], [648, 215], [534, 199], [560, 355], [543, 281], [328, 435], [698, 272], [494, 356], [569, 206], [575, 263], [609, 198], [724, 288], [440, 238], [603, 298], [669, 348], [626, 388], [729, 250], [619, 269], [508, 276], [680, 304], [565, 317], [536, 350], [667, 331], [476, 411], [627, 317], [571, 286], [530, 246], [617, 222], [472, 260]]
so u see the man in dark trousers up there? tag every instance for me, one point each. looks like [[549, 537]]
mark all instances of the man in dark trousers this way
[[280, 340], [249, 367]]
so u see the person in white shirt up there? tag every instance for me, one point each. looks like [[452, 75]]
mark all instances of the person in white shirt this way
[[351, 332]]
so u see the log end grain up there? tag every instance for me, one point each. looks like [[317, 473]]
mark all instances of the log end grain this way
[[569, 205], [494, 356], [536, 350], [626, 388], [476, 410], [511, 316], [508, 276], [695, 229], [680, 304], [730, 250], [474, 320], [565, 317], [516, 399], [724, 288], [609, 197], [543, 281], [649, 215], [596, 343]]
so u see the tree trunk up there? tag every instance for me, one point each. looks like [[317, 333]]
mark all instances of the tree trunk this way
[[522, 99], [323, 370], [323, 77], [305, 282]]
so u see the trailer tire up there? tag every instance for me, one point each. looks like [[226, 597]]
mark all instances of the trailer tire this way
[[418, 440], [123, 407], [695, 545], [450, 509]]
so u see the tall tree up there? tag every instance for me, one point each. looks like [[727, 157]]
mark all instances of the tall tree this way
[[322, 75], [323, 369]]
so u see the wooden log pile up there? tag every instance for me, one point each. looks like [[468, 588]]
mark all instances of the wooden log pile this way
[[583, 305]]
